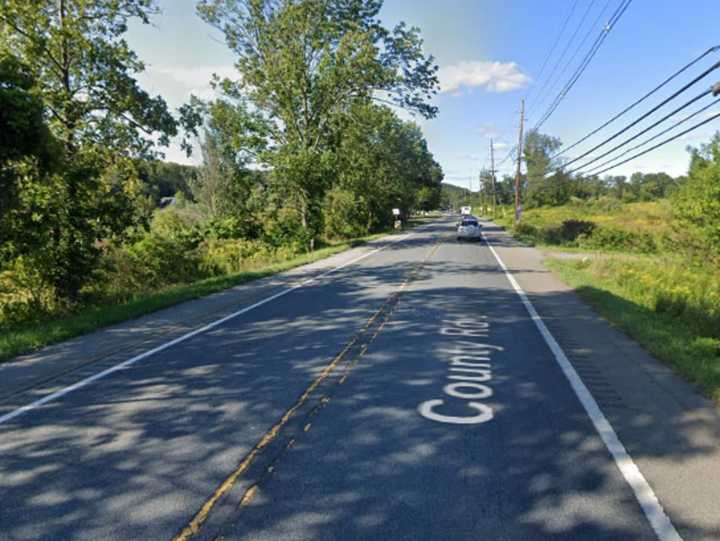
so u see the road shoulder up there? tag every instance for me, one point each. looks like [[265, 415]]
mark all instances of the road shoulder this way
[[672, 432]]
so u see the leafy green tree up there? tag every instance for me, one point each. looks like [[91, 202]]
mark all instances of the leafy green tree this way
[[26, 146], [697, 202], [651, 186], [302, 63], [618, 186], [86, 81], [542, 191], [384, 163]]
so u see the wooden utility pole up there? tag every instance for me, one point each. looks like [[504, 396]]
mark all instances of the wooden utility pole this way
[[519, 162], [492, 172]]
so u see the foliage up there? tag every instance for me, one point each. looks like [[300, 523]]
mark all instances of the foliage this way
[[345, 215], [24, 138], [382, 163], [541, 191], [304, 65], [697, 204], [672, 308], [166, 179], [96, 110], [602, 224]]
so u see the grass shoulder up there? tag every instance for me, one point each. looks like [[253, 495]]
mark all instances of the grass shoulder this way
[[672, 310]]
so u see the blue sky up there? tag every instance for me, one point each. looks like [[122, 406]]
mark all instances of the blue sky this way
[[490, 54]]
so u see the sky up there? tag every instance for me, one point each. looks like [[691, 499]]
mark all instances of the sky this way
[[491, 54]]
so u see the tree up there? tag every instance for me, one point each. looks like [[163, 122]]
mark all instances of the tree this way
[[541, 191], [25, 141], [696, 203], [383, 163], [618, 186], [302, 63], [166, 179], [103, 119]]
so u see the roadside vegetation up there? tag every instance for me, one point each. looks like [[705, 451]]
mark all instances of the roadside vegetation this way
[[652, 244], [670, 306], [300, 152]]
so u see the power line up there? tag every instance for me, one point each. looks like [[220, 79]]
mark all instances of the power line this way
[[657, 135], [507, 156], [579, 47], [541, 93], [586, 61], [643, 132], [643, 117], [666, 141], [557, 41], [639, 101]]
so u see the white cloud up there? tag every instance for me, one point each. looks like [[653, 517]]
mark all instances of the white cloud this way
[[501, 146], [176, 83], [194, 76], [469, 157], [488, 130], [492, 76]]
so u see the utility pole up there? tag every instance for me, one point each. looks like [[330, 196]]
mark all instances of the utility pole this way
[[519, 162], [492, 172]]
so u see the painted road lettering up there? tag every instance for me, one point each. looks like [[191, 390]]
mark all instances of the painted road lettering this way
[[470, 375]]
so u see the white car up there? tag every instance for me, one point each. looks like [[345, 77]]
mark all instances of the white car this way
[[468, 228]]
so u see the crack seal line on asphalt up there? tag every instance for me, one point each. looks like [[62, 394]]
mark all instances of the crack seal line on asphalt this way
[[126, 364], [197, 522], [651, 506]]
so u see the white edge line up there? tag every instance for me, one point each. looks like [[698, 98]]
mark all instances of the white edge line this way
[[95, 377], [651, 506]]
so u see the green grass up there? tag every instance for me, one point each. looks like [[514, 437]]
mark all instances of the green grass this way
[[23, 339], [673, 311]]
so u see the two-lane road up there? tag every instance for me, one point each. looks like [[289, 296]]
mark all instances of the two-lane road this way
[[408, 395]]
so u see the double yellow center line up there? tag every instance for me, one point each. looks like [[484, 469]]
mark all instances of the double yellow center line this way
[[376, 322]]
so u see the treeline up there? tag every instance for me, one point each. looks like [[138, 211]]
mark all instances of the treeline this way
[[546, 184], [694, 198], [303, 146]]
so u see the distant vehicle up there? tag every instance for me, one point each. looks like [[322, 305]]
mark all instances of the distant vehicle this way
[[465, 211], [469, 228]]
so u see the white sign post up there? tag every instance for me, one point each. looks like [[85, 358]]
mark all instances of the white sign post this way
[[398, 221]]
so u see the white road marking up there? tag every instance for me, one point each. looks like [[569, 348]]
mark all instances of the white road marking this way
[[469, 364], [125, 364], [647, 499]]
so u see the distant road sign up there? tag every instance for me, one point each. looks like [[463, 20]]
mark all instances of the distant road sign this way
[[396, 212]]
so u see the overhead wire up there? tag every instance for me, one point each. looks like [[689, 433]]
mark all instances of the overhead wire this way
[[622, 8], [644, 131], [638, 101], [644, 116], [541, 93], [557, 41], [654, 137], [578, 48], [666, 141]]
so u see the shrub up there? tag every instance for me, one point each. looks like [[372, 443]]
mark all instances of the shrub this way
[[570, 230], [615, 238], [24, 296], [525, 231], [697, 202], [151, 263], [345, 215], [285, 228], [229, 256]]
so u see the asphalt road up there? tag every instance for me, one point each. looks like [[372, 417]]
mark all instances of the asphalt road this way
[[407, 395]]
